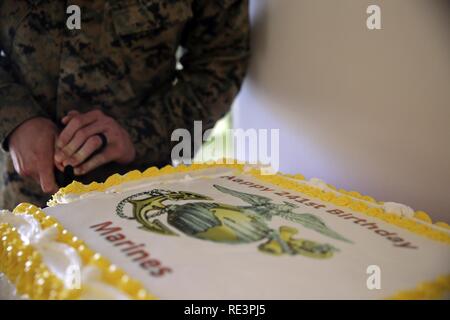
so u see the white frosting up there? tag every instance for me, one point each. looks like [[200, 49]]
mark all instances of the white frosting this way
[[398, 208], [198, 262], [145, 182], [316, 182], [60, 258], [94, 288], [8, 290], [208, 269], [391, 207]]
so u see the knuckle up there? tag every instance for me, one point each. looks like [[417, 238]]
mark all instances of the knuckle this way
[[80, 170], [77, 158], [115, 135], [85, 168], [81, 134], [63, 138], [76, 121], [115, 153], [116, 150], [24, 172], [109, 120], [75, 162], [97, 112], [67, 151], [95, 141]]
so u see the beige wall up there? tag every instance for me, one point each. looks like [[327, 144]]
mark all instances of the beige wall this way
[[365, 110]]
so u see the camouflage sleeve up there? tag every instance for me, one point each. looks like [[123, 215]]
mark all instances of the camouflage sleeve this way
[[16, 103], [217, 51]]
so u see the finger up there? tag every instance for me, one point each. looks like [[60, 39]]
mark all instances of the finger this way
[[91, 145], [76, 123], [69, 116], [16, 162], [59, 156], [23, 169], [73, 124], [47, 178], [95, 162], [79, 139], [59, 166], [28, 172]]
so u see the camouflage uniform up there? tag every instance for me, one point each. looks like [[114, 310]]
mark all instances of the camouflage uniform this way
[[122, 61]]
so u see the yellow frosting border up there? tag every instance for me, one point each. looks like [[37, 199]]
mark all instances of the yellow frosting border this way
[[427, 290], [421, 215], [23, 266], [424, 229], [117, 179], [347, 200]]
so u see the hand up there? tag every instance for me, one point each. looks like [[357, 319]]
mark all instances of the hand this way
[[32, 145], [79, 140]]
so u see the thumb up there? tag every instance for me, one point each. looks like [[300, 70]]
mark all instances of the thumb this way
[[47, 178]]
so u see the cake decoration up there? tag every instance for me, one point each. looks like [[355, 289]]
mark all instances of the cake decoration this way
[[28, 237], [230, 230]]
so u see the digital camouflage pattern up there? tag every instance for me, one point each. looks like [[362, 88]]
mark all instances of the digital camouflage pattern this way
[[123, 62]]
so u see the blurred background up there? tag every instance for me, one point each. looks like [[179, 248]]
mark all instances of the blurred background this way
[[365, 110]]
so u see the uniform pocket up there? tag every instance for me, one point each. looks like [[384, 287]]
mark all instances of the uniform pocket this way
[[137, 16]]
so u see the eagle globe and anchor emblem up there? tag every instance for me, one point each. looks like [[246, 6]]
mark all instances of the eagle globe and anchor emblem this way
[[231, 224]]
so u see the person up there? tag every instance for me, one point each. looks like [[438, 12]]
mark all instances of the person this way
[[64, 91]]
